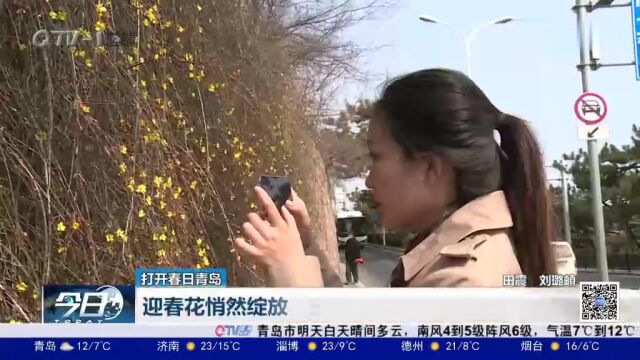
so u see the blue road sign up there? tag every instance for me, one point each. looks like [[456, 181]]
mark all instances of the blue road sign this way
[[635, 14]]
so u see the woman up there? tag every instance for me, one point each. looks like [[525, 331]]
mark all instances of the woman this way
[[481, 207]]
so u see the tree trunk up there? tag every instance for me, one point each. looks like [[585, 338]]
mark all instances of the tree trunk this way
[[321, 209]]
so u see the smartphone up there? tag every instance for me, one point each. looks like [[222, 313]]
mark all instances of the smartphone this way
[[278, 188]]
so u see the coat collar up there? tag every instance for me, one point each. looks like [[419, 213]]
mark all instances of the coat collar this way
[[488, 212]]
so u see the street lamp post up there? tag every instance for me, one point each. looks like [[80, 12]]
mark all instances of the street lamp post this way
[[468, 38], [565, 208], [565, 203], [384, 236]]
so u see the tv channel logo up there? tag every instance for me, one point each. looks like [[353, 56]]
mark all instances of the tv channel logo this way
[[79, 304], [233, 330]]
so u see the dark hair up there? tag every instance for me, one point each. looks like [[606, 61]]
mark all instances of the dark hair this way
[[445, 112]]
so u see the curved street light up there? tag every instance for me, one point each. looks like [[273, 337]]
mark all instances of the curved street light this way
[[468, 37]]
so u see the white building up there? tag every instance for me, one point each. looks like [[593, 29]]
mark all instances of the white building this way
[[342, 188]]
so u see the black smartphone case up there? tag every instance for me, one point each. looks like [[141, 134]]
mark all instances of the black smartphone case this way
[[278, 188]]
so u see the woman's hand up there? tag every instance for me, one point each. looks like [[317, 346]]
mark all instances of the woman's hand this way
[[275, 241]]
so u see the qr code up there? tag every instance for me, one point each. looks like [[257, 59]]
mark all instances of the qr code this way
[[599, 301]]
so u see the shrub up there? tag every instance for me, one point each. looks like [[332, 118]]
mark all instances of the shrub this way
[[113, 158]]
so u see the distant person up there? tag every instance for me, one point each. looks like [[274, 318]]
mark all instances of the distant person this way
[[352, 258], [479, 204]]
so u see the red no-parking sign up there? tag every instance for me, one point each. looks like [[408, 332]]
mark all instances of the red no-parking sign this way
[[590, 108]]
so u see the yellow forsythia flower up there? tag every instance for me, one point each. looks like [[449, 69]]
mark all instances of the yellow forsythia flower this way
[[61, 227], [21, 286], [100, 26], [120, 233], [75, 225], [151, 15], [85, 108], [62, 15], [100, 9]]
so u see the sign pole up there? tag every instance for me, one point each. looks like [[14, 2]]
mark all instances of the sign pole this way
[[592, 144], [565, 208], [635, 13]]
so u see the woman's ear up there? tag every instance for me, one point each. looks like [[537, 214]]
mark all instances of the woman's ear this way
[[432, 166]]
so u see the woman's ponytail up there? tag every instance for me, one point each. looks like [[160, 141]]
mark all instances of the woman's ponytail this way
[[524, 183]]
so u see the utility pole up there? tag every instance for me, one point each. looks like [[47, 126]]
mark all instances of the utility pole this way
[[565, 202], [565, 207], [592, 147], [586, 65], [384, 236]]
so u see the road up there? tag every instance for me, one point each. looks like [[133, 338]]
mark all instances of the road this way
[[379, 262]]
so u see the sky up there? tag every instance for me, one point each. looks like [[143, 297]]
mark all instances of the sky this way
[[526, 67]]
